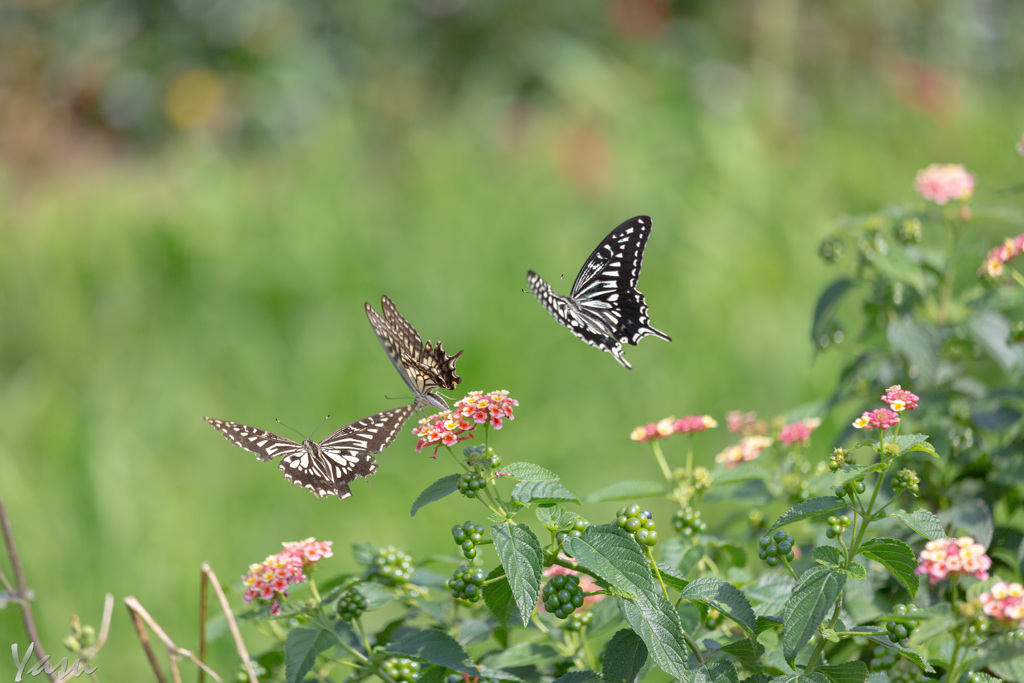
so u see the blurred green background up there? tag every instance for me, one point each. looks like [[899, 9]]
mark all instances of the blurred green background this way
[[197, 197]]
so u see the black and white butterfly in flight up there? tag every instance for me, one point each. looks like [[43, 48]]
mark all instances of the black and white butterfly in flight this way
[[604, 307], [325, 468], [424, 367]]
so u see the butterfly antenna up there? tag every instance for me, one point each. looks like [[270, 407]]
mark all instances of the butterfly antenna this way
[[300, 433]]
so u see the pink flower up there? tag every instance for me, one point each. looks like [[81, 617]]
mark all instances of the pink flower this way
[[1020, 146], [738, 423], [798, 432], [269, 580], [1004, 602], [952, 556], [669, 426], [940, 183], [746, 450], [1001, 255], [877, 419], [452, 426], [899, 399]]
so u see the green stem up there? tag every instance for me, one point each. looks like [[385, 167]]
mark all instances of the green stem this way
[[661, 461], [820, 647], [657, 572]]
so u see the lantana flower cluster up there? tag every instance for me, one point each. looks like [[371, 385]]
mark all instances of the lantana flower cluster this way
[[1001, 255], [898, 399], [669, 426], [452, 426], [746, 450], [798, 432], [1004, 602], [947, 557], [941, 183], [269, 580], [746, 424]]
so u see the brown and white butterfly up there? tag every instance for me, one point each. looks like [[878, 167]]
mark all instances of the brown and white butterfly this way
[[325, 468], [424, 367]]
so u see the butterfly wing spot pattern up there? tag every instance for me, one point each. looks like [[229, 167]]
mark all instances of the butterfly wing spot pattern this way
[[425, 368], [604, 308], [325, 468]]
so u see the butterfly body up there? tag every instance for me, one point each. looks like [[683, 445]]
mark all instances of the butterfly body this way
[[604, 308], [425, 368], [327, 467]]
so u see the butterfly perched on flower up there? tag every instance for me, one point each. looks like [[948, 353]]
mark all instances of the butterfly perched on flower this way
[[325, 468], [424, 367], [604, 307]]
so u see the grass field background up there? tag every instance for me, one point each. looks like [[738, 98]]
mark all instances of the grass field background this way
[[144, 288]]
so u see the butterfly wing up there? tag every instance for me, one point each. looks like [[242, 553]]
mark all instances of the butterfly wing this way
[[346, 454], [424, 368], [604, 307], [263, 444]]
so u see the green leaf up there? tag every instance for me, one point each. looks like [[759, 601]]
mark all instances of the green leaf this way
[[809, 508], [627, 490], [847, 672], [520, 554], [918, 342], [923, 522], [672, 578], [527, 471], [915, 442], [813, 598], [747, 652], [847, 473], [522, 654], [992, 331], [436, 491], [377, 594], [879, 636], [584, 676], [542, 492], [813, 677], [897, 557], [825, 308], [498, 596], [829, 555], [972, 517], [624, 656], [724, 597], [771, 592], [999, 650], [439, 648], [364, 553], [301, 648], [554, 517], [613, 555]]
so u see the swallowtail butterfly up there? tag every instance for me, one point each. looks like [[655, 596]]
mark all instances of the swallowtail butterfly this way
[[604, 307]]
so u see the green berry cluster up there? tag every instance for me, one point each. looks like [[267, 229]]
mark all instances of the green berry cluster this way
[[898, 632], [687, 522], [391, 566], [468, 535], [909, 230], [577, 621], [858, 486], [467, 583], [840, 456], [352, 604], [401, 669], [470, 483], [882, 658], [837, 525], [775, 547], [905, 480], [562, 595], [830, 250], [799, 492], [638, 523], [578, 527]]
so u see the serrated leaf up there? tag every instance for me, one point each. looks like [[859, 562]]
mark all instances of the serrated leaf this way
[[527, 471], [813, 598], [813, 677], [915, 442], [624, 656], [992, 331], [433, 674], [770, 593], [918, 342], [584, 676], [542, 492], [897, 557], [436, 491], [847, 473], [809, 508], [855, 570], [522, 654], [997, 650], [747, 652], [498, 596], [724, 597], [627, 490], [923, 522], [847, 672], [672, 578], [613, 555], [439, 648], [377, 594], [972, 517], [301, 648], [554, 517], [716, 671], [829, 555], [520, 555], [878, 636]]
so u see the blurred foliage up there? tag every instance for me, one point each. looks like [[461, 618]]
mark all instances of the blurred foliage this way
[[197, 197]]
